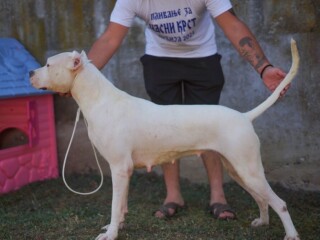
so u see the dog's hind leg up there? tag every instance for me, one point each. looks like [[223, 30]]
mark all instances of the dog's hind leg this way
[[251, 177], [267, 197], [264, 211], [280, 207], [234, 173], [264, 197]]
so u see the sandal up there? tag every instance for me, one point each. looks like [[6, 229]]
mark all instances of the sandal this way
[[164, 209], [217, 208]]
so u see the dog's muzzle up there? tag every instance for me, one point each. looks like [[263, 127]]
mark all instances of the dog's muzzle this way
[[31, 74]]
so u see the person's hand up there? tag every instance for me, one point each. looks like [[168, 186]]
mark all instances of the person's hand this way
[[272, 77]]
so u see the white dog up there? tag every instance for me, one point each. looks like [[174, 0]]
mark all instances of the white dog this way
[[131, 132]]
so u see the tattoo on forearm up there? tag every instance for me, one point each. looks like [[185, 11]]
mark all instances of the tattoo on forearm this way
[[251, 52]]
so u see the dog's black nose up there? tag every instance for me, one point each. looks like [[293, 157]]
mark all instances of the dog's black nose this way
[[31, 73]]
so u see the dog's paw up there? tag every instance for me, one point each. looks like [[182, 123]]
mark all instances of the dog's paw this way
[[292, 238], [101, 236], [121, 226], [258, 222], [106, 236], [110, 234]]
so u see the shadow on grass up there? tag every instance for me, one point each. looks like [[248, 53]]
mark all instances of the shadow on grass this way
[[47, 210]]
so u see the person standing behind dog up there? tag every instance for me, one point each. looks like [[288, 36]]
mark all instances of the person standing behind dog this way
[[181, 65]]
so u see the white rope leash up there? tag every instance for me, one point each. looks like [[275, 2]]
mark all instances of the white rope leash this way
[[65, 159]]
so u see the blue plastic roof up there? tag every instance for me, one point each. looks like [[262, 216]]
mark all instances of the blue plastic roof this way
[[15, 64]]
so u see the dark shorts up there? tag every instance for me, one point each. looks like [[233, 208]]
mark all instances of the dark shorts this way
[[183, 80]]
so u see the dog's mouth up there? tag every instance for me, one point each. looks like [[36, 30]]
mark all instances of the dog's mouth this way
[[43, 88]]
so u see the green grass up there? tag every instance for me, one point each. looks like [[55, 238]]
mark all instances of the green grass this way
[[47, 210]]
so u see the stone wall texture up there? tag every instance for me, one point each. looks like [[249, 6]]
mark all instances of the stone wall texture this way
[[289, 131]]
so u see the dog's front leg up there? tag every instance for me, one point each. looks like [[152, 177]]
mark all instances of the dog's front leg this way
[[120, 185]]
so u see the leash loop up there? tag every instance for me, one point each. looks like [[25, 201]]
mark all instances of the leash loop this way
[[66, 156]]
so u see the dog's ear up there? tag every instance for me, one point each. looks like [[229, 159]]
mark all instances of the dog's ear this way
[[83, 55], [76, 61]]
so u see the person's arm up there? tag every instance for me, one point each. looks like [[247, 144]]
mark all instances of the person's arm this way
[[248, 47], [107, 44]]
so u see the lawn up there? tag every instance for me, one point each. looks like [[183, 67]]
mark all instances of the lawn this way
[[47, 210]]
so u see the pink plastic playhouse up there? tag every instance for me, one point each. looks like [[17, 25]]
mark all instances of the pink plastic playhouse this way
[[27, 131]]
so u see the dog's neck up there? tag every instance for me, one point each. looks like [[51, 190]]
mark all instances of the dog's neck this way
[[90, 88], [85, 61]]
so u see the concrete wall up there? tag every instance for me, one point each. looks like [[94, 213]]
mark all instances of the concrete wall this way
[[289, 131]]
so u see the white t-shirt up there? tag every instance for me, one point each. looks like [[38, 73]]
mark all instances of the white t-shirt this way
[[175, 28]]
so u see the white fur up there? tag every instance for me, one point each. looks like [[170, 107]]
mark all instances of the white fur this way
[[131, 132]]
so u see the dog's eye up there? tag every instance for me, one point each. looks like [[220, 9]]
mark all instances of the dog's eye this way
[[48, 65]]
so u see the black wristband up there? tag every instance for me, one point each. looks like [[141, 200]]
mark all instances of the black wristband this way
[[265, 67]]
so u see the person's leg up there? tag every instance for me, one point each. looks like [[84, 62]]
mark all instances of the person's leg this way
[[164, 87], [171, 174], [206, 89], [214, 170]]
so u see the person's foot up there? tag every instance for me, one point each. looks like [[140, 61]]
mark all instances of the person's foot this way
[[222, 211], [168, 210]]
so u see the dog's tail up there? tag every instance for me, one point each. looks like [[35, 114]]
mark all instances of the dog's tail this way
[[254, 113]]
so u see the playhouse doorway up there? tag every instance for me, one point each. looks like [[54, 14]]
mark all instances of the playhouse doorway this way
[[13, 137]]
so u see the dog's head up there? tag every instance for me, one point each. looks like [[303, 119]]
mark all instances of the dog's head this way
[[59, 72]]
